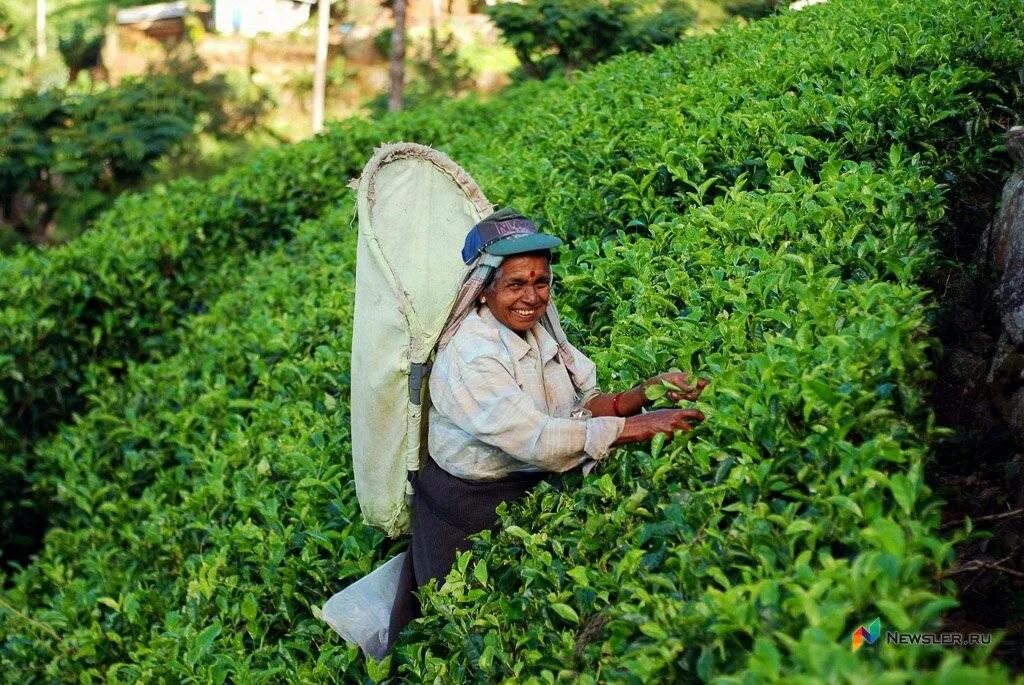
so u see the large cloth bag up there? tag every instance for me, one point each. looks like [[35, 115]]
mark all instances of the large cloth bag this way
[[415, 207]]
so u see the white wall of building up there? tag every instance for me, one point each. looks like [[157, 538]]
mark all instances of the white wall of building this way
[[249, 17]]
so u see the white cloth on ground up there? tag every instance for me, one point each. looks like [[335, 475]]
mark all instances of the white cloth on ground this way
[[361, 613]]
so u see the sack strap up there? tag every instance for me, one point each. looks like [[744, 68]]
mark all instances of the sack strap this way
[[418, 372]]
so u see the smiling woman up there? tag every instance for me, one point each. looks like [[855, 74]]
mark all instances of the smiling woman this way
[[519, 292], [511, 402]]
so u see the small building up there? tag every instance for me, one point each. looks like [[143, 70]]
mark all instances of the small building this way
[[249, 17], [164, 21]]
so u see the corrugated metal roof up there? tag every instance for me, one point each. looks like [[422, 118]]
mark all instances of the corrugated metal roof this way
[[144, 14]]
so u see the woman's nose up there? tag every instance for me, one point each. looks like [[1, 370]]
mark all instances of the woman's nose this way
[[532, 296]]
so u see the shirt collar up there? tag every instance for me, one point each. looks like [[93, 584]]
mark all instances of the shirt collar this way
[[519, 347]]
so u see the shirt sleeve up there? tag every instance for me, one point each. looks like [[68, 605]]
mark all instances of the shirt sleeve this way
[[483, 399]]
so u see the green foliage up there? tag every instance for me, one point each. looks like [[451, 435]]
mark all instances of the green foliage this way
[[279, 334], [101, 298], [67, 150], [76, 316], [439, 72], [553, 35], [382, 41], [799, 507], [753, 9], [63, 154], [757, 206]]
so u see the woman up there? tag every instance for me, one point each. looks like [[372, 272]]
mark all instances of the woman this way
[[511, 403]]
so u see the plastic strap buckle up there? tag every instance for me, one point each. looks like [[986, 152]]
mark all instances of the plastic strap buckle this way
[[417, 372]]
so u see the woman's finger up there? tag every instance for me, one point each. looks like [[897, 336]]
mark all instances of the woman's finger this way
[[698, 389], [680, 380], [691, 395], [684, 390]]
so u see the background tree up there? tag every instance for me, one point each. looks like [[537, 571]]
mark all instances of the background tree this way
[[565, 35], [396, 68], [64, 155]]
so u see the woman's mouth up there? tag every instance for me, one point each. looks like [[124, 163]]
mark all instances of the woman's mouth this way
[[525, 313]]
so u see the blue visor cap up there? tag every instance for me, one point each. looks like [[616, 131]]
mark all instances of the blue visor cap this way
[[505, 233]]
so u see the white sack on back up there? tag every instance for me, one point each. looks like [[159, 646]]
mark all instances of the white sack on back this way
[[415, 208]]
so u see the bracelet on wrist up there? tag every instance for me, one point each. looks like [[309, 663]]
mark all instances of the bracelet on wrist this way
[[615, 404]]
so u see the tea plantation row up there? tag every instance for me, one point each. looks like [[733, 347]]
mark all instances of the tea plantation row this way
[[665, 131], [755, 206], [193, 486], [71, 317], [703, 114]]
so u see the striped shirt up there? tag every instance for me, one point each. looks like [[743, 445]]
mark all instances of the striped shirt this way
[[502, 404]]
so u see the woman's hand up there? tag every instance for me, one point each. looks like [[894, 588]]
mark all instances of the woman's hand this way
[[687, 389], [643, 427], [631, 402]]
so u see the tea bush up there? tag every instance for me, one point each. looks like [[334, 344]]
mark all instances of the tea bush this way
[[111, 293], [229, 392], [759, 542], [62, 154], [757, 206], [75, 315], [552, 35]]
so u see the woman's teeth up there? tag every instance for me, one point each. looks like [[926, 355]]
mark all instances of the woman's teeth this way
[[525, 312]]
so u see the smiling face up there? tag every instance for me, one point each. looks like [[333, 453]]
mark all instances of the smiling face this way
[[518, 296]]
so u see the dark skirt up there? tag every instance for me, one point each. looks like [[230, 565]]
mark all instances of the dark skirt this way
[[445, 511]]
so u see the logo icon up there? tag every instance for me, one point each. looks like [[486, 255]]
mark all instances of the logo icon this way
[[869, 634]]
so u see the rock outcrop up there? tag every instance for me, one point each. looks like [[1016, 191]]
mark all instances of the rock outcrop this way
[[1003, 248]]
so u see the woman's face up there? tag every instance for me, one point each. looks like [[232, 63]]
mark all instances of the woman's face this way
[[519, 294]]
